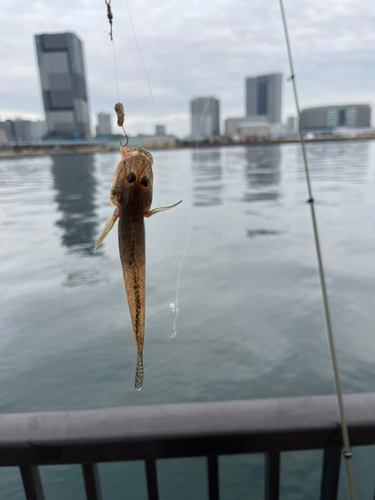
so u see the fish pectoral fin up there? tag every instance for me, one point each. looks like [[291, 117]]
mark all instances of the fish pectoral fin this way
[[108, 226], [161, 209], [139, 372]]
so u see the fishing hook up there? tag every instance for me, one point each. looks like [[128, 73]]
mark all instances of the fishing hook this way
[[126, 135], [119, 108]]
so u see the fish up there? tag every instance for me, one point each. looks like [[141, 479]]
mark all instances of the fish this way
[[131, 195]]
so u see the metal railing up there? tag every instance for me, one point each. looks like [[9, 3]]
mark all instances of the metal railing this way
[[148, 433]]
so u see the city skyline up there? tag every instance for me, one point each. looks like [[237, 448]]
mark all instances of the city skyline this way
[[204, 53]]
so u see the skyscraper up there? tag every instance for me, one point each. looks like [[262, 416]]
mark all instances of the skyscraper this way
[[160, 130], [264, 95], [63, 80], [205, 117], [104, 124]]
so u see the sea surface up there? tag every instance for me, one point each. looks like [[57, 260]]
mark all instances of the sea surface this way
[[250, 322]]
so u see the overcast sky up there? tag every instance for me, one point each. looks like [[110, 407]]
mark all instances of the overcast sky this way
[[192, 48]]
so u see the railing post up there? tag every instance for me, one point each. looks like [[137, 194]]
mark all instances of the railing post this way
[[152, 480], [32, 483], [330, 474], [92, 481], [272, 476], [213, 477]]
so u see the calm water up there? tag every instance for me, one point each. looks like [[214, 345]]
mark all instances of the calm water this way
[[250, 322]]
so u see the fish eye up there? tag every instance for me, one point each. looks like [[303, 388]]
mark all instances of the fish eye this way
[[130, 177], [145, 181]]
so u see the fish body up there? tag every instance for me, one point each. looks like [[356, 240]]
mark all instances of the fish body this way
[[131, 195]]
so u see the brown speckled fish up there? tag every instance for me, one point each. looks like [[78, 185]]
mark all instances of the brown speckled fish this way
[[131, 195]]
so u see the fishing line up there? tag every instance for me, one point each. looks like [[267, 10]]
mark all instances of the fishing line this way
[[122, 119], [175, 306], [344, 428], [144, 67], [115, 65], [110, 19], [150, 110], [147, 116]]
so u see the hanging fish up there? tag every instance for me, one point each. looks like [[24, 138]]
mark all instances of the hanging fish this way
[[131, 195]]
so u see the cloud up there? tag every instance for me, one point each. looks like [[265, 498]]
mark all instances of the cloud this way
[[193, 48]]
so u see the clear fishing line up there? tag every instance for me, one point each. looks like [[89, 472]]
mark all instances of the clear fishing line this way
[[149, 112], [110, 18], [108, 3], [344, 428], [115, 65], [174, 306], [144, 67]]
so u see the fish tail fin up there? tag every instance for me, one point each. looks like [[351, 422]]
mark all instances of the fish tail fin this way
[[139, 371]]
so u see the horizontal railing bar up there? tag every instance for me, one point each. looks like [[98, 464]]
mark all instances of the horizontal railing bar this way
[[272, 476], [152, 480], [184, 430], [213, 477], [92, 481], [330, 474], [32, 483]]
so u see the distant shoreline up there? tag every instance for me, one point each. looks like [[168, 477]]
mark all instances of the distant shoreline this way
[[34, 151]]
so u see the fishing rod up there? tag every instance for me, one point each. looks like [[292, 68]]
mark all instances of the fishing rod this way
[[344, 428]]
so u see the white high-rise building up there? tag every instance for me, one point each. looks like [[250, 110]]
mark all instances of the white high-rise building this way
[[63, 81], [205, 117], [264, 96], [104, 126], [291, 124]]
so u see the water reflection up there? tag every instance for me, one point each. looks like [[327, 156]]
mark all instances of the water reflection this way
[[75, 183], [348, 161], [261, 171], [207, 174]]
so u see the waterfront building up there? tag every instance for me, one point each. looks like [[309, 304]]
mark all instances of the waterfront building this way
[[160, 130], [159, 141], [23, 130], [27, 131], [326, 118], [3, 138], [63, 81], [241, 127], [7, 128], [291, 124], [205, 117], [104, 126], [264, 96]]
